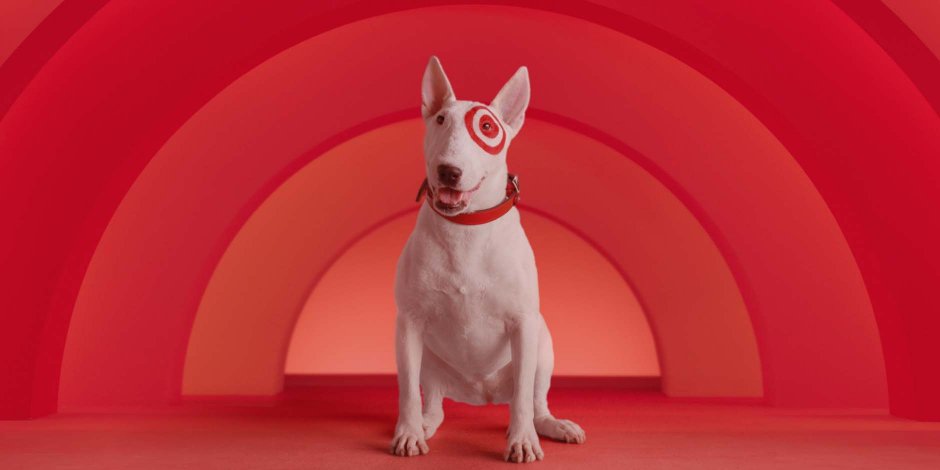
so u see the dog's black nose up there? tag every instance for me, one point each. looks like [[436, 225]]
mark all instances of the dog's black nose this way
[[448, 174]]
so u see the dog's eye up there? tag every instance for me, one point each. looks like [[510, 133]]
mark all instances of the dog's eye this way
[[487, 126], [440, 119]]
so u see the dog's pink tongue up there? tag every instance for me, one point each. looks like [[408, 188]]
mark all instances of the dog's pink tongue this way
[[449, 196]]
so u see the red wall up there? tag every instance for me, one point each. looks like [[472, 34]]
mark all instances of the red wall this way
[[848, 91]]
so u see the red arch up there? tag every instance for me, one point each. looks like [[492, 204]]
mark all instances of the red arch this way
[[856, 376], [237, 345], [891, 235]]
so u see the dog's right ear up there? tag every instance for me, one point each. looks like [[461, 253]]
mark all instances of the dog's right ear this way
[[435, 89]]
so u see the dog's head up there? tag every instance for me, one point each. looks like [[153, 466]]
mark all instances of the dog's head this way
[[465, 142]]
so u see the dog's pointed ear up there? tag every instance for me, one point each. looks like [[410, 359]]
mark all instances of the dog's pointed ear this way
[[512, 100], [435, 89]]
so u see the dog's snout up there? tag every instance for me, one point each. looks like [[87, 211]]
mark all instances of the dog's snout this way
[[449, 174]]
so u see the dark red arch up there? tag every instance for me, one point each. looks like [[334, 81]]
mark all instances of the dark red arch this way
[[902, 44]]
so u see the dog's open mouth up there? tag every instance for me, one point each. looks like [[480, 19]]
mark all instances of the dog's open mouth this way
[[452, 201]]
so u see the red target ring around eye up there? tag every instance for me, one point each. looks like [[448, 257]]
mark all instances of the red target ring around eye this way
[[475, 119]]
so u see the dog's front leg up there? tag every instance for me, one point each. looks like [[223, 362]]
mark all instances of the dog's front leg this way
[[409, 435], [523, 444]]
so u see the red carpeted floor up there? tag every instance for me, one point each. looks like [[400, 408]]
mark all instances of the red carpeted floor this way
[[350, 427]]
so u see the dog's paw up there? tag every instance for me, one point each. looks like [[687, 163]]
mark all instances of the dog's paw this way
[[560, 429], [408, 441], [523, 445]]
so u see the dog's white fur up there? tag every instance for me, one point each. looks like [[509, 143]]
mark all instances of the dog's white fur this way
[[468, 324]]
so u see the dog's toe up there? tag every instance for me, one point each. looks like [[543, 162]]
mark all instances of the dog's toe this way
[[523, 447], [408, 444]]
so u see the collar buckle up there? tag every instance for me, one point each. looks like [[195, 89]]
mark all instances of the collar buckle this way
[[514, 181]]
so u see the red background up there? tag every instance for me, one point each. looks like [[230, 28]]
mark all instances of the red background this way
[[176, 177]]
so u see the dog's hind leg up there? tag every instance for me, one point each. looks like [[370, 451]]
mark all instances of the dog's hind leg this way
[[433, 414], [433, 383], [545, 424]]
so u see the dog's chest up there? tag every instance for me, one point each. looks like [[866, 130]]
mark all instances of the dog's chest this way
[[466, 287], [467, 292], [466, 301], [469, 279]]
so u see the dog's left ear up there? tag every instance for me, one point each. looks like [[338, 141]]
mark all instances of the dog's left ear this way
[[511, 101]]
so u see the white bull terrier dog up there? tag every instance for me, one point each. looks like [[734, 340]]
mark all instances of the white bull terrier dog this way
[[468, 325]]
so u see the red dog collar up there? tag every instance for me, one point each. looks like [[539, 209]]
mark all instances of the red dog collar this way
[[480, 216]]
